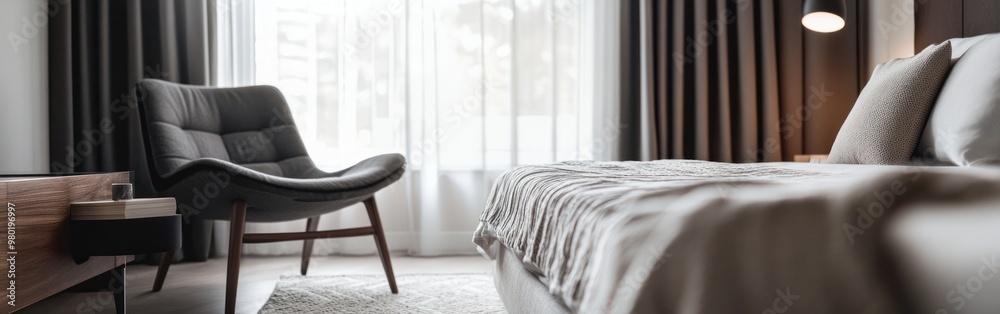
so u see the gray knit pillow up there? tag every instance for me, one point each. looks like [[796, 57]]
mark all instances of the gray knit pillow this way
[[888, 118]]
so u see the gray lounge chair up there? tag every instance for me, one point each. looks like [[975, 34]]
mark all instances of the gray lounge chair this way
[[235, 154]]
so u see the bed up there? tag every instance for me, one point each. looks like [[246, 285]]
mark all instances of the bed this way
[[699, 237], [683, 236]]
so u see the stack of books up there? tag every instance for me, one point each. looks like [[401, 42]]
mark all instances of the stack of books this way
[[124, 209]]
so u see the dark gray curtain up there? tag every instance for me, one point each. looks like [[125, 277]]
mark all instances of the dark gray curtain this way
[[98, 51], [735, 80]]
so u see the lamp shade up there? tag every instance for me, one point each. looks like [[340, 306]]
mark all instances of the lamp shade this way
[[824, 16]]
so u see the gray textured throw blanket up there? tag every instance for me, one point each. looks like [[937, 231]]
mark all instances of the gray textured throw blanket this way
[[678, 236]]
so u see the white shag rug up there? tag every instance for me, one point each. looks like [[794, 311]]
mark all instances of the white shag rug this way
[[446, 293]]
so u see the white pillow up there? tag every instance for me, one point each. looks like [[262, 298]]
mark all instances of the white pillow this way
[[964, 126], [960, 45]]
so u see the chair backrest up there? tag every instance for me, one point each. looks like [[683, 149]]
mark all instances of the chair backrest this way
[[250, 126]]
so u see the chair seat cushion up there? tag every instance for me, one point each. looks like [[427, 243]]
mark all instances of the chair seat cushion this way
[[274, 198], [363, 174]]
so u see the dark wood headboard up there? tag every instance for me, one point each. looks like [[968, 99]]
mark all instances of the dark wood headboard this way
[[938, 20]]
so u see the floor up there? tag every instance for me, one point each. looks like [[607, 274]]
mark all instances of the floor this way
[[200, 287]]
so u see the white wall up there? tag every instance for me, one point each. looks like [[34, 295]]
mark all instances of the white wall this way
[[891, 24], [24, 135]]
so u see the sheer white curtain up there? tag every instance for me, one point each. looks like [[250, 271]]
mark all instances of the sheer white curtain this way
[[465, 89]]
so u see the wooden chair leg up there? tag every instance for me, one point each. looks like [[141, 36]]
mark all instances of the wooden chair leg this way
[[383, 249], [307, 245], [237, 223], [161, 273]]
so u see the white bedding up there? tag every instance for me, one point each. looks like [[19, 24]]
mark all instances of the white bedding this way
[[700, 237]]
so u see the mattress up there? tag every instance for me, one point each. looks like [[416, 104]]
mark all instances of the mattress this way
[[700, 237], [520, 289]]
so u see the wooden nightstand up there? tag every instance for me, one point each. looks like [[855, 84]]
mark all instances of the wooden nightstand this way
[[38, 227], [813, 159]]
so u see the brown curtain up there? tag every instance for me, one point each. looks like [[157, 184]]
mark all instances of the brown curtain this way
[[98, 50], [734, 80]]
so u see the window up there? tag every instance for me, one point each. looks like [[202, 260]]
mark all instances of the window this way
[[465, 89]]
